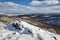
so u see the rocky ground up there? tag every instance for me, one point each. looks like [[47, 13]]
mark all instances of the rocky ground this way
[[9, 19]]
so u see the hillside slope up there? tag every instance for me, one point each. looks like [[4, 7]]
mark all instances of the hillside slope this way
[[27, 32], [42, 25]]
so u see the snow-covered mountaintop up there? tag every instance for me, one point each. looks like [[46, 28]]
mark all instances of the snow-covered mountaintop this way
[[26, 32]]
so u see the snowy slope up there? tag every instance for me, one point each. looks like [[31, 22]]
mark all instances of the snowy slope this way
[[27, 32]]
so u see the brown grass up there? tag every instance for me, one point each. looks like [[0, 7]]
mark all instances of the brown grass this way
[[42, 25], [31, 21]]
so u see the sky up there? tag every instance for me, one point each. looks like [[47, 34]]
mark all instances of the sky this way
[[23, 2], [29, 6]]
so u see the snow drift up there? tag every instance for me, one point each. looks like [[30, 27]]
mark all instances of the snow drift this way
[[27, 32]]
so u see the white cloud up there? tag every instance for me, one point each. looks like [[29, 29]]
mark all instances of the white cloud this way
[[44, 3], [51, 0], [51, 9], [10, 7], [35, 3], [15, 8], [10, 4]]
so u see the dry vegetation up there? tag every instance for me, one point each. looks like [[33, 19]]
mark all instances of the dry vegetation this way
[[8, 19], [42, 25]]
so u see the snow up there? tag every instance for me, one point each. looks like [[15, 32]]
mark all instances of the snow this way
[[28, 32], [2, 25]]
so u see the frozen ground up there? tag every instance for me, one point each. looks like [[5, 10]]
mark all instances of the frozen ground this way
[[27, 32]]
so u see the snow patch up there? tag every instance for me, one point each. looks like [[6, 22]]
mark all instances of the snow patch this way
[[27, 32]]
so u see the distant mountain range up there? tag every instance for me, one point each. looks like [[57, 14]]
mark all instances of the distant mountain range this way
[[52, 19]]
